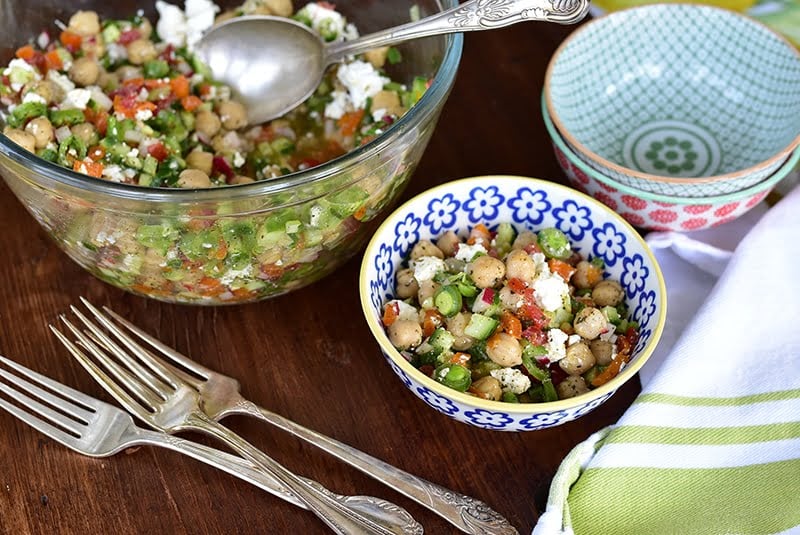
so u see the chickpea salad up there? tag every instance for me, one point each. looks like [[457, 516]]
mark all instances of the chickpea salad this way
[[123, 101], [510, 316]]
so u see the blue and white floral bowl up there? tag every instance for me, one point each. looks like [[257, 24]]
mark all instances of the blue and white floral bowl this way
[[594, 230]]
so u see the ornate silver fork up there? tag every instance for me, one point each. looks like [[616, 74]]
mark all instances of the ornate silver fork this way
[[161, 399], [221, 397], [96, 429]]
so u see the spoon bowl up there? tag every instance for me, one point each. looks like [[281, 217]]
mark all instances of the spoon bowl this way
[[273, 64]]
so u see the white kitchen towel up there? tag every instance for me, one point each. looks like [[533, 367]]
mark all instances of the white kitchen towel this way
[[712, 444]]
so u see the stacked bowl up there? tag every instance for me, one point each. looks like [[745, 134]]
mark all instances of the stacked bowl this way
[[678, 116]]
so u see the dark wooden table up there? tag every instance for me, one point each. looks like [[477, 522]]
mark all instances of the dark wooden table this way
[[307, 355]]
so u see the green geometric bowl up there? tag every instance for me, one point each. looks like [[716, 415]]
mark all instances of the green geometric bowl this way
[[677, 99]]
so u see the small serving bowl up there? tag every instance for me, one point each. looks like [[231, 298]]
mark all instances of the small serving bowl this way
[[653, 211], [677, 99], [527, 203]]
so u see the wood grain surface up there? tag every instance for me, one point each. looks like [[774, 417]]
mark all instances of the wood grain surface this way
[[307, 355]]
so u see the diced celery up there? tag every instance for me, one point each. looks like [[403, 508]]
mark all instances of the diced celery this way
[[159, 237], [67, 117]]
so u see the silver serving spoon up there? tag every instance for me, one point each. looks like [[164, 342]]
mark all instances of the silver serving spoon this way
[[273, 64]]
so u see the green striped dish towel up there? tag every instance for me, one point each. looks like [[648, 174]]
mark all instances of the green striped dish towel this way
[[712, 444]]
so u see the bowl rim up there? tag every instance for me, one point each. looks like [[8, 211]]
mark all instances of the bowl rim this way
[[443, 79], [598, 159], [765, 185], [517, 409]]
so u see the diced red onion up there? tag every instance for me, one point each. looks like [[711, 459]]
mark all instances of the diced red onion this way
[[62, 133]]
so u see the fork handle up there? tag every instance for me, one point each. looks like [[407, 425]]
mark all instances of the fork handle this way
[[341, 518], [238, 467], [464, 512]]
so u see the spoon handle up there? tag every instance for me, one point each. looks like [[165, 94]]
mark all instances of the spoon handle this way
[[469, 16]]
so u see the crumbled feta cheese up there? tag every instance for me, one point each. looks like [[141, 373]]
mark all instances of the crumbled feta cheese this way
[[540, 261], [77, 98], [116, 52], [556, 344], [133, 153], [181, 28], [20, 72], [512, 380], [362, 81], [379, 114], [233, 274], [19, 64], [113, 172], [100, 98], [404, 310], [143, 114], [550, 292], [324, 20], [467, 252], [426, 267], [573, 339], [30, 96], [61, 80], [337, 106], [238, 159]]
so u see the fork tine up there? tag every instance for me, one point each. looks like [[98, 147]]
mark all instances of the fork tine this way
[[76, 396], [74, 425], [77, 412], [132, 363], [40, 425], [158, 345], [122, 396]]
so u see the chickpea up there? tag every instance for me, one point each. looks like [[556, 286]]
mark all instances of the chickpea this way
[[486, 271], [108, 81], [129, 72], [47, 89], [93, 46], [571, 386], [504, 349], [586, 275], [387, 100], [590, 323], [42, 131], [85, 132], [145, 28], [405, 334], [201, 160], [377, 57], [608, 293], [579, 359], [84, 71], [456, 326], [509, 299], [84, 23], [207, 123], [448, 243], [603, 351], [193, 179], [407, 285], [524, 239], [487, 388], [141, 50], [426, 291], [520, 265], [241, 179], [232, 114], [281, 8], [21, 138], [425, 248]]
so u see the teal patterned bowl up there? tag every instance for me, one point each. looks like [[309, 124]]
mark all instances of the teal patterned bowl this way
[[677, 99]]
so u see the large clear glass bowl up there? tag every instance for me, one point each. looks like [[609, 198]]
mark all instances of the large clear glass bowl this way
[[130, 236]]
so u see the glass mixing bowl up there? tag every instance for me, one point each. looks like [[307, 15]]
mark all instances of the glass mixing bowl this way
[[262, 239]]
